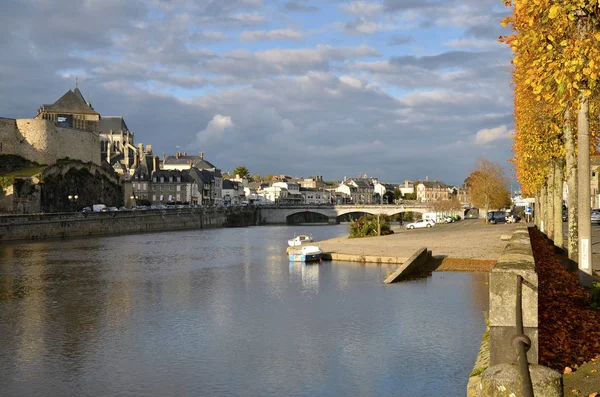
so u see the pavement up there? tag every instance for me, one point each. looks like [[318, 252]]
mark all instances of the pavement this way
[[465, 239], [584, 381]]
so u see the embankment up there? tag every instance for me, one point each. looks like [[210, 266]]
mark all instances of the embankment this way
[[66, 225]]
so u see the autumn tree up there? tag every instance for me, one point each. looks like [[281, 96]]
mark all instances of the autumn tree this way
[[489, 186], [241, 171], [556, 70]]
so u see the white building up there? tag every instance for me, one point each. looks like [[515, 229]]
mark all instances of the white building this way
[[293, 189], [315, 196], [233, 192]]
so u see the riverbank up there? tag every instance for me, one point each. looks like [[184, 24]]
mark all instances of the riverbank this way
[[468, 245]]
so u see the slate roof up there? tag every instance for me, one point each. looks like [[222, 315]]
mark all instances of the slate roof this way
[[433, 185], [228, 184], [362, 184], [114, 123], [185, 176], [197, 162], [71, 102]]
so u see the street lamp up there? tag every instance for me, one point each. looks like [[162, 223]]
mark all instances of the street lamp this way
[[132, 198], [72, 200]]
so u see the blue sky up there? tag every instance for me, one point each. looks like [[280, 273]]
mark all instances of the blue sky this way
[[398, 89]]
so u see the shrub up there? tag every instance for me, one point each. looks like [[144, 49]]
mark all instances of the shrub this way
[[366, 226]]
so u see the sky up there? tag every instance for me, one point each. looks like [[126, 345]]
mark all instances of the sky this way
[[396, 89]]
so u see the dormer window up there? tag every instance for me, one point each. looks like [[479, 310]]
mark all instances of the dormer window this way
[[178, 179], [171, 179], [162, 179]]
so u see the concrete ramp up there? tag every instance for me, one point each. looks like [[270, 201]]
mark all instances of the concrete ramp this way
[[411, 266]]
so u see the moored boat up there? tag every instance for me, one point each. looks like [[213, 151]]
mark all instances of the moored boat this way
[[299, 240], [308, 253]]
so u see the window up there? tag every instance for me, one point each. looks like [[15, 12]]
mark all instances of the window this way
[[161, 197], [178, 197], [154, 197], [139, 186], [178, 188]]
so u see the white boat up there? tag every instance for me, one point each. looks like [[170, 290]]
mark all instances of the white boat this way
[[307, 253], [299, 240]]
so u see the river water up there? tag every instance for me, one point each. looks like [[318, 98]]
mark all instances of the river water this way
[[223, 313]]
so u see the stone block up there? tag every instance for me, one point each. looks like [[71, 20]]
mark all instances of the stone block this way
[[504, 380], [501, 350], [412, 265]]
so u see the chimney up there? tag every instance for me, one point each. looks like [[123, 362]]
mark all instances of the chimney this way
[[154, 164], [191, 163], [344, 178], [201, 155], [177, 155], [164, 157], [426, 179], [149, 149], [185, 153]]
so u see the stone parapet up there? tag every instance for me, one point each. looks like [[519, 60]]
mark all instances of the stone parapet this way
[[517, 259]]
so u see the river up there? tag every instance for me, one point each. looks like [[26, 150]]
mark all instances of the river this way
[[223, 313]]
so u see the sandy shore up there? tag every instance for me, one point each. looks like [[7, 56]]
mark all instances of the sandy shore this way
[[466, 239]]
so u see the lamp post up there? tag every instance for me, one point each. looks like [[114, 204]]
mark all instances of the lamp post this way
[[72, 200], [401, 215], [132, 198]]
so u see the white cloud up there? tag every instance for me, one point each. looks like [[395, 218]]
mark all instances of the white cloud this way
[[279, 34], [215, 130], [476, 44], [485, 136], [362, 8]]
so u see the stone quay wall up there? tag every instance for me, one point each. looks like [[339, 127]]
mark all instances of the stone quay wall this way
[[41, 141], [496, 372], [66, 225]]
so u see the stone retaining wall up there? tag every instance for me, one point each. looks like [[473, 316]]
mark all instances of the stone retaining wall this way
[[37, 227], [502, 377]]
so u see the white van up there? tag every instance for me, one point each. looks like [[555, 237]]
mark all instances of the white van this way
[[432, 216], [98, 207]]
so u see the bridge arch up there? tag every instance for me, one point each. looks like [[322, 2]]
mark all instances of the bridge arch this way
[[307, 216]]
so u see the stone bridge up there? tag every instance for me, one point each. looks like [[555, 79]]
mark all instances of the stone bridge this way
[[282, 213]]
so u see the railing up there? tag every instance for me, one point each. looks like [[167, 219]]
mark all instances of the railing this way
[[521, 342]]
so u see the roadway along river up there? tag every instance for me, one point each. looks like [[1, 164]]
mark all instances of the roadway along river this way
[[222, 313]]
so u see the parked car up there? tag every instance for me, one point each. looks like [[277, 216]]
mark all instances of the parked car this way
[[565, 215], [496, 217], [595, 216], [420, 223]]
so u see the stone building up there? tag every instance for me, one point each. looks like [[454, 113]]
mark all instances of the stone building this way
[[433, 191], [173, 186], [71, 111], [181, 161], [359, 190]]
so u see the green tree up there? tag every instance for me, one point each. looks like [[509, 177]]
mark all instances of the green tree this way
[[242, 171], [397, 194], [410, 196]]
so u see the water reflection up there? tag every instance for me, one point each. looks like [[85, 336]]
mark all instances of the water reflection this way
[[222, 312]]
